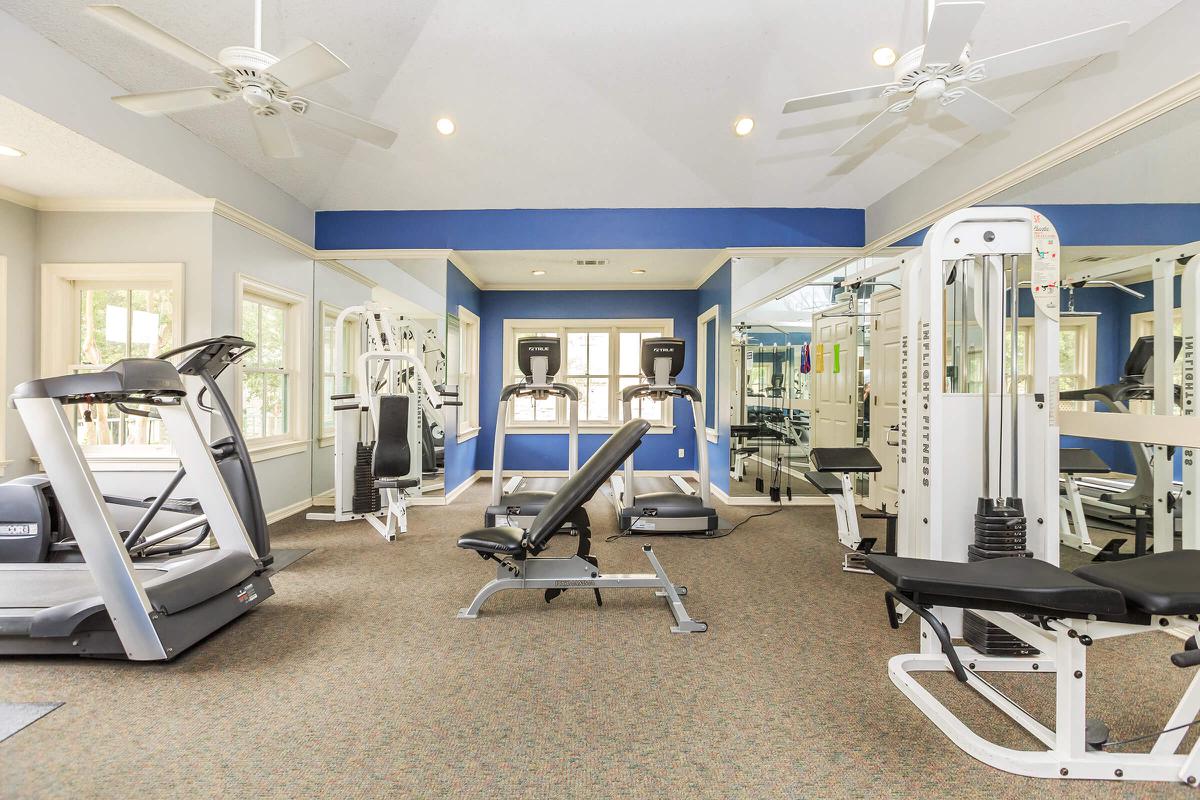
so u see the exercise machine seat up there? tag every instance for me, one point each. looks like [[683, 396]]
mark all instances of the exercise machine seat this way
[[397, 483], [844, 459], [392, 456], [1162, 583], [1018, 585], [1080, 461], [503, 540], [826, 482], [567, 503]]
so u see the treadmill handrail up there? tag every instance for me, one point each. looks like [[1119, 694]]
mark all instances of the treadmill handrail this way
[[564, 390], [570, 394], [682, 390]]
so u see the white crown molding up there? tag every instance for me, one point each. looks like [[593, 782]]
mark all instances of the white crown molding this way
[[101, 204], [574, 287], [1183, 92], [226, 211], [457, 259], [18, 197], [349, 272]]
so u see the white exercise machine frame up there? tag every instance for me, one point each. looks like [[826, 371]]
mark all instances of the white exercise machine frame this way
[[380, 365]]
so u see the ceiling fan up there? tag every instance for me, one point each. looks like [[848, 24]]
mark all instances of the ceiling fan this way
[[265, 82], [937, 73]]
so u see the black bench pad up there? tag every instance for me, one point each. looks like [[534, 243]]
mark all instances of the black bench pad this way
[[826, 482], [397, 483], [1080, 461], [1162, 583], [844, 459], [504, 540], [999, 584]]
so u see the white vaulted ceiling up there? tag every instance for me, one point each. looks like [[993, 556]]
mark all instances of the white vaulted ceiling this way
[[625, 103]]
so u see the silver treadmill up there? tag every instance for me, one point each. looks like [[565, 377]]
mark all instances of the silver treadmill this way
[[518, 500], [650, 504], [107, 606]]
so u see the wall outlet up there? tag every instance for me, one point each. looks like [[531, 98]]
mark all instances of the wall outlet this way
[[681, 452]]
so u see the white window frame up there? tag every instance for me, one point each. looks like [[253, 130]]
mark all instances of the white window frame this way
[[1142, 324], [56, 352], [713, 315], [352, 348], [296, 359], [468, 374], [1087, 375], [613, 326]]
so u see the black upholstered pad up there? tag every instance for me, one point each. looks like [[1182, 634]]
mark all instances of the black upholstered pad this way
[[826, 482], [392, 457], [397, 483], [844, 459], [999, 584], [503, 540], [1162, 583], [1080, 461]]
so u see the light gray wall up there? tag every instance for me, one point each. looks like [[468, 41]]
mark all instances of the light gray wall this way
[[283, 481], [18, 242], [1150, 62]]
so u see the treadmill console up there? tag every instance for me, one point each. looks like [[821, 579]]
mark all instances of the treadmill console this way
[[662, 360], [538, 358]]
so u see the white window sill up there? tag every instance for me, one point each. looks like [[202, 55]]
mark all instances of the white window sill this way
[[125, 463], [468, 434], [711, 435], [583, 429], [4, 466], [265, 451], [325, 441]]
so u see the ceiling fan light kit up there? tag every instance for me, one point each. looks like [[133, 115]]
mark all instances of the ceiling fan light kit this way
[[937, 74], [264, 82]]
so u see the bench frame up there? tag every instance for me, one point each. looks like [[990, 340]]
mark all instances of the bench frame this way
[[1063, 653]]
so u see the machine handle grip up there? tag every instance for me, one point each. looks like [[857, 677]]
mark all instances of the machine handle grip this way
[[452, 403], [1188, 658]]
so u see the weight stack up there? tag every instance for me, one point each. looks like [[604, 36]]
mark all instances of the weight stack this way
[[1000, 532], [366, 496]]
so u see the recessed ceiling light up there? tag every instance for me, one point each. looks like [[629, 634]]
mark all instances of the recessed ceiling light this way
[[537, 272], [743, 126], [10, 152], [638, 271], [445, 126], [884, 57]]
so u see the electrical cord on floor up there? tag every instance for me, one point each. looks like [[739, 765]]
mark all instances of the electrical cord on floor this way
[[723, 534]]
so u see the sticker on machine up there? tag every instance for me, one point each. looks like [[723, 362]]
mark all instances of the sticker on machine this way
[[1045, 274], [643, 525], [247, 594]]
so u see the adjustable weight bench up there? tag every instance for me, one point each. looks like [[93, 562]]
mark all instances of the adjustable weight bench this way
[[516, 551], [1061, 614], [831, 475]]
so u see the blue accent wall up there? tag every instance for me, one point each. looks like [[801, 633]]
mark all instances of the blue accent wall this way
[[591, 228], [1112, 224], [461, 458], [549, 451], [718, 291]]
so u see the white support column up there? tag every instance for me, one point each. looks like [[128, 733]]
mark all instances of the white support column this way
[[1164, 400], [1071, 707]]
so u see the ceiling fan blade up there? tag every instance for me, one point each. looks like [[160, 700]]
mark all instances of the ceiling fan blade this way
[[274, 135], [154, 103], [834, 98], [1076, 47], [156, 37], [871, 131], [308, 65], [950, 31], [975, 110], [347, 123]]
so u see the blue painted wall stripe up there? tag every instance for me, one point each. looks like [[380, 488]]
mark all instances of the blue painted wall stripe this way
[[591, 228], [1113, 224]]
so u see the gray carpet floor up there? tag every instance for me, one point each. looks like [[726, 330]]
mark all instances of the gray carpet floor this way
[[356, 680]]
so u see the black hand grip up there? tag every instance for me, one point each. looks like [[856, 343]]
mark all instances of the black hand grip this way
[[450, 403], [448, 394], [340, 396]]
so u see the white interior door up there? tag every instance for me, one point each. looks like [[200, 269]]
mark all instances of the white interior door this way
[[885, 398], [835, 379]]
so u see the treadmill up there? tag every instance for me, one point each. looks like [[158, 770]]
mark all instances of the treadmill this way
[[649, 504], [108, 606], [520, 499]]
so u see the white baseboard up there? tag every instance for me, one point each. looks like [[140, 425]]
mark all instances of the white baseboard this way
[[287, 511], [462, 487]]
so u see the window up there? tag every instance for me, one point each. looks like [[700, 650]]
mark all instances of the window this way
[[1142, 324], [1076, 356], [113, 311], [271, 387], [468, 373], [600, 358], [333, 380]]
